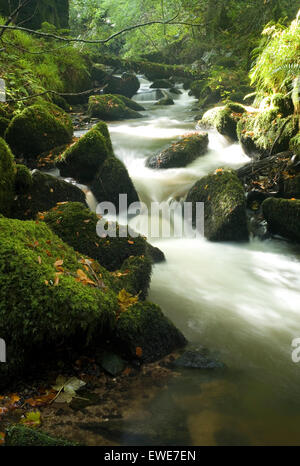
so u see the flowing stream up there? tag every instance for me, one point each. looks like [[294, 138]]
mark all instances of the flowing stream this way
[[240, 301]]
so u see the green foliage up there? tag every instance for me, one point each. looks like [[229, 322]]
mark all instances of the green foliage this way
[[277, 66], [37, 129], [7, 178], [4, 122], [295, 144]]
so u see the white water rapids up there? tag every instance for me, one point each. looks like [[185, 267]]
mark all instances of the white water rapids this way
[[242, 301]]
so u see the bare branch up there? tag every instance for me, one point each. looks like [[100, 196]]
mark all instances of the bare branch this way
[[14, 15], [70, 94], [48, 35]]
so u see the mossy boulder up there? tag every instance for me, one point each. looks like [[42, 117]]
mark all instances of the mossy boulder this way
[[23, 180], [165, 101], [101, 73], [294, 145], [131, 103], [291, 187], [21, 436], [84, 158], [146, 334], [224, 119], [161, 84], [113, 179], [224, 206], [283, 217], [41, 193], [4, 122], [38, 129], [77, 226], [62, 305], [181, 153], [7, 178], [127, 85], [109, 107], [266, 132]]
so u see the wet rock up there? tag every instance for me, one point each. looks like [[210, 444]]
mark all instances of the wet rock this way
[[145, 327], [156, 254], [224, 119], [197, 359], [127, 85], [181, 153], [225, 206], [108, 107], [283, 217], [42, 193], [166, 101], [161, 84], [131, 103], [175, 91]]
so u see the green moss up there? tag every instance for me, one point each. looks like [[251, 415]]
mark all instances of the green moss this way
[[112, 180], [183, 152], [295, 144], [36, 311], [77, 226], [135, 275], [225, 206], [197, 87], [7, 178], [130, 103], [144, 326], [20, 436], [4, 122], [37, 129], [101, 126], [23, 180], [84, 158], [283, 104], [283, 217], [266, 131], [109, 107]]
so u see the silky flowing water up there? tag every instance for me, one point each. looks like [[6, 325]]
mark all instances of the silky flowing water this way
[[241, 301]]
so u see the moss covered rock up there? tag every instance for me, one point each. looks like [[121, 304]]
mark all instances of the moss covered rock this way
[[127, 85], [165, 101], [283, 104], [224, 119], [146, 334], [266, 132], [38, 129], [84, 158], [20, 436], [109, 107], [23, 180], [62, 305], [41, 194], [181, 153], [7, 178], [113, 179], [225, 206], [161, 84], [283, 217], [77, 226], [130, 103]]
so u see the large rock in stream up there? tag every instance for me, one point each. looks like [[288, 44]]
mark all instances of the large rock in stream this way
[[53, 298], [225, 206], [181, 153], [127, 85], [224, 119], [38, 129], [283, 217], [109, 107]]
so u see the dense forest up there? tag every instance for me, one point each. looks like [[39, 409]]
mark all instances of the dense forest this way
[[105, 339]]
